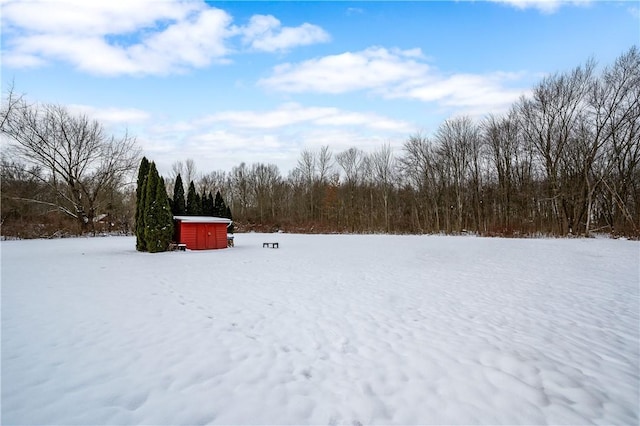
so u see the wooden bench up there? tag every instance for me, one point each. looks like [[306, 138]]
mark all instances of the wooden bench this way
[[177, 246], [270, 245]]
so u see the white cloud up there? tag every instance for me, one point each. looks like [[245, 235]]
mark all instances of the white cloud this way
[[265, 33], [96, 18], [546, 6], [340, 140], [111, 115], [464, 90], [396, 74], [372, 68], [223, 140], [293, 114], [286, 115], [22, 60], [118, 37], [232, 141], [136, 37], [177, 127], [104, 59], [221, 149]]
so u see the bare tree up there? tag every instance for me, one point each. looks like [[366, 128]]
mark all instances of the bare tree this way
[[240, 188], [324, 164], [187, 170], [613, 151], [79, 161], [12, 102], [177, 168], [214, 181], [549, 120], [384, 167], [190, 170], [419, 165], [351, 162], [501, 136], [457, 141], [264, 180], [307, 170]]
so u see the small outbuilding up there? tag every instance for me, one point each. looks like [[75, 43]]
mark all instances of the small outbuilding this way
[[201, 232]]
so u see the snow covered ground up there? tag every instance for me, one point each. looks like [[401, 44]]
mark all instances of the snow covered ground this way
[[333, 330]]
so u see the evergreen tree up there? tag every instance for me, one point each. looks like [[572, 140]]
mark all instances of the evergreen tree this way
[[204, 210], [210, 207], [178, 206], [203, 204], [151, 186], [165, 217], [198, 205], [141, 242], [227, 214], [219, 208], [143, 171], [193, 204], [158, 220]]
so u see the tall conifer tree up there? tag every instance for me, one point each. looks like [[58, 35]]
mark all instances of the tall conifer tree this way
[[204, 209], [159, 220], [209, 206], [143, 171], [219, 209], [198, 211], [193, 206], [179, 203]]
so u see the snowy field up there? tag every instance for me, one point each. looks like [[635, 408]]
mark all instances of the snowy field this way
[[327, 330]]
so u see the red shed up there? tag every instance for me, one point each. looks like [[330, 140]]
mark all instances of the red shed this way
[[201, 232]]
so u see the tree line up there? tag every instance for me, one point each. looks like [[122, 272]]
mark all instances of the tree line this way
[[564, 160]]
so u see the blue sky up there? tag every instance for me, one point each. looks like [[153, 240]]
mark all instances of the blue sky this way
[[227, 82]]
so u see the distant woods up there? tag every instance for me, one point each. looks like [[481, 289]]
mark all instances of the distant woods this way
[[564, 160]]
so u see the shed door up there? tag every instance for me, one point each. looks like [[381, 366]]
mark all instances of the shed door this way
[[211, 236], [203, 237]]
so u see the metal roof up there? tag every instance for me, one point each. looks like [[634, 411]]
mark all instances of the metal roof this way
[[202, 219]]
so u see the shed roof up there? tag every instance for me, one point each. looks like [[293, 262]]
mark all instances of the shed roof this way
[[202, 219]]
